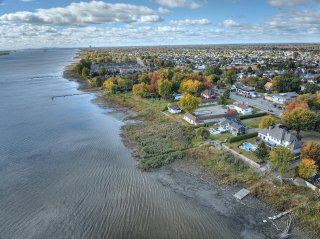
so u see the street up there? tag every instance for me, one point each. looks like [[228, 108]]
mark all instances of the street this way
[[259, 103]]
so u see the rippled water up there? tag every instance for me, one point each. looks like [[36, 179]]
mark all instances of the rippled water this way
[[65, 173]]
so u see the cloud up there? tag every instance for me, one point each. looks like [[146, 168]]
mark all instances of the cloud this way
[[287, 3], [181, 3], [26, 0], [163, 10], [190, 22], [230, 23], [85, 13]]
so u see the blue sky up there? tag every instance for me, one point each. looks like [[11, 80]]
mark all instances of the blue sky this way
[[68, 23]]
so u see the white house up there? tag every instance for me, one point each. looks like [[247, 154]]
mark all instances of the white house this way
[[243, 109], [279, 136], [174, 109]]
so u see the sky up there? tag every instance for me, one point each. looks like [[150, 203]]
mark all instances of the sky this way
[[98, 23]]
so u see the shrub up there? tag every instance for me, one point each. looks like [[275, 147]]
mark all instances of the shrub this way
[[242, 137], [242, 117]]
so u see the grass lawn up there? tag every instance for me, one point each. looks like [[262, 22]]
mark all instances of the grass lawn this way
[[248, 154], [253, 124], [222, 137]]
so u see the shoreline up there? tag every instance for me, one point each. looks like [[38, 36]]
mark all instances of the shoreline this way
[[194, 182]]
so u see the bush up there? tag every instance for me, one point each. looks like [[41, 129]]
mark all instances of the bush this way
[[160, 160], [242, 137], [203, 133], [243, 117]]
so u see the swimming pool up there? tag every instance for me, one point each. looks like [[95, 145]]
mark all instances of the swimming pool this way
[[248, 146]]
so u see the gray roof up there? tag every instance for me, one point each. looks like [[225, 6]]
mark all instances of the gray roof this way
[[282, 134], [232, 124], [174, 107]]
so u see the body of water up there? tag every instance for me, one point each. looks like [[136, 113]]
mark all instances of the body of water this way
[[64, 171]]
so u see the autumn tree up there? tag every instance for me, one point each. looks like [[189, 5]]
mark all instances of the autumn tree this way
[[311, 150], [281, 158], [164, 88], [300, 119], [307, 168], [153, 83], [294, 105], [141, 90], [190, 86], [267, 121], [230, 77], [144, 77], [109, 86], [189, 103]]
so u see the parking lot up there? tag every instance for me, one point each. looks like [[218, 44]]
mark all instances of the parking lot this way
[[259, 103]]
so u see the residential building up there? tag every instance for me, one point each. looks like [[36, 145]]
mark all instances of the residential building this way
[[204, 119], [244, 90], [280, 136], [243, 109], [174, 109], [233, 125], [268, 86], [208, 94]]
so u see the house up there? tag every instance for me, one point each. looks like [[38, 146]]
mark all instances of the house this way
[[174, 109], [244, 90], [243, 109], [283, 98], [268, 86], [232, 125], [279, 136], [208, 93], [204, 119]]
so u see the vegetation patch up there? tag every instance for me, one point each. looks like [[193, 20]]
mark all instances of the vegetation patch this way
[[242, 137], [243, 117]]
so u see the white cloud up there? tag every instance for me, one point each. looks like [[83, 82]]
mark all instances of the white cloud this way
[[85, 13], [191, 22], [230, 23], [181, 3], [26, 0], [287, 3], [163, 10]]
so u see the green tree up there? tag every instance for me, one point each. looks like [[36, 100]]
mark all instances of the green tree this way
[[262, 151], [102, 71], [300, 119], [202, 133], [85, 72], [281, 158], [267, 121], [230, 77], [226, 93], [189, 103], [164, 88], [286, 83], [311, 88]]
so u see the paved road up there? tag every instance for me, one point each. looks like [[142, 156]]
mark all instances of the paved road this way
[[259, 103]]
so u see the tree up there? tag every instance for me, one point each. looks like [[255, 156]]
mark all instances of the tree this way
[[230, 77], [189, 103], [190, 86], [281, 158], [311, 151], [203, 133], [109, 86], [262, 151], [226, 93], [141, 90], [294, 105], [267, 121], [300, 119], [164, 88], [102, 71], [311, 88], [85, 72], [307, 168], [286, 83]]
